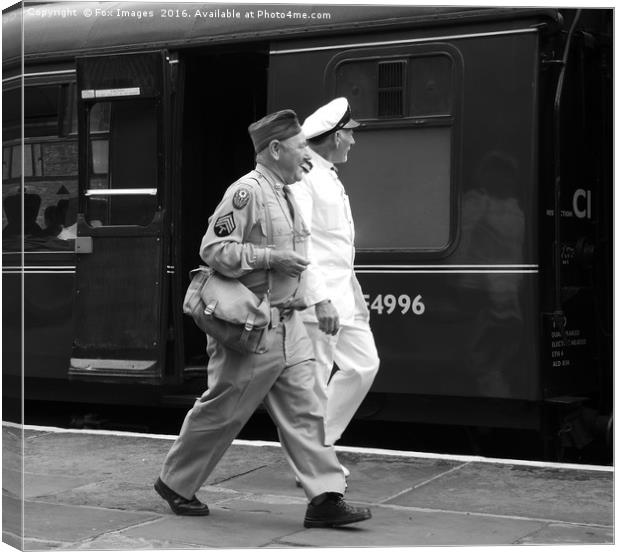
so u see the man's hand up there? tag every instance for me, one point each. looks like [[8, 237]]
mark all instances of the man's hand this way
[[327, 316], [290, 263]]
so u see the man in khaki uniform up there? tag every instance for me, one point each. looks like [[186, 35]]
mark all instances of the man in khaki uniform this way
[[283, 378]]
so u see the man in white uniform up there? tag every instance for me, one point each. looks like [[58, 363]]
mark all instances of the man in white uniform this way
[[338, 324]]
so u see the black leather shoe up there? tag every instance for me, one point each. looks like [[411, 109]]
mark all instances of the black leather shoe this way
[[181, 506], [333, 512]]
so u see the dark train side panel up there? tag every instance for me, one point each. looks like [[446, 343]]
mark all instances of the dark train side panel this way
[[445, 206]]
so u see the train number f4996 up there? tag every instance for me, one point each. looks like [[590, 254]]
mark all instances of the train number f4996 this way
[[390, 304]]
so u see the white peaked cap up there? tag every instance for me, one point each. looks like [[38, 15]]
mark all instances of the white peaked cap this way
[[329, 118]]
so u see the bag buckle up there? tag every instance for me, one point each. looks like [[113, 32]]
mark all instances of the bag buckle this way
[[210, 308], [249, 323]]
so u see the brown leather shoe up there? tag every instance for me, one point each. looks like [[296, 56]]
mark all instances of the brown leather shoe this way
[[180, 505], [334, 512]]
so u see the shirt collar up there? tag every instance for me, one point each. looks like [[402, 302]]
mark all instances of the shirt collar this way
[[320, 161], [270, 176]]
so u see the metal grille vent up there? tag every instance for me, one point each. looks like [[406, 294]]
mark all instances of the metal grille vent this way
[[391, 88]]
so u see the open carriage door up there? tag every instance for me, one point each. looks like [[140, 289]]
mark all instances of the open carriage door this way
[[123, 229]]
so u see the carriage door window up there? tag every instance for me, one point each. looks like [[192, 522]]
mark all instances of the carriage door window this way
[[122, 183], [403, 164]]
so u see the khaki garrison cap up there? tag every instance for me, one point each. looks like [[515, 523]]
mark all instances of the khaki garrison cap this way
[[275, 126]]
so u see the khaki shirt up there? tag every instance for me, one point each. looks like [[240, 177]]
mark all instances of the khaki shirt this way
[[236, 244]]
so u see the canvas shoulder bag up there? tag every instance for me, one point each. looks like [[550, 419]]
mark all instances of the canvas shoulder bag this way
[[228, 311]]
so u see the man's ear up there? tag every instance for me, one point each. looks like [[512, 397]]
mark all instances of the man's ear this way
[[274, 148], [336, 138]]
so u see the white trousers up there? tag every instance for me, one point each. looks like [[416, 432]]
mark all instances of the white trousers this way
[[353, 350]]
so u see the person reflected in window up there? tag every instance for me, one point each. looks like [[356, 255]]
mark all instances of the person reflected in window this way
[[13, 210], [53, 227], [493, 233]]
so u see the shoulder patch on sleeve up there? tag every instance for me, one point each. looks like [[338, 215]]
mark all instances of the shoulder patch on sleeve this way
[[224, 225], [241, 197]]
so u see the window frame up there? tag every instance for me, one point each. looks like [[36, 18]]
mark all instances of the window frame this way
[[453, 120], [88, 194]]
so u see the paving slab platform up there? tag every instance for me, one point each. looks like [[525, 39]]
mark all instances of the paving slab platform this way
[[93, 490]]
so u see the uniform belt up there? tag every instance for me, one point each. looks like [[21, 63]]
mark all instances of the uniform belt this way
[[280, 314]]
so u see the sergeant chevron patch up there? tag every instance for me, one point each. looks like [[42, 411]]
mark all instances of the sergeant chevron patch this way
[[224, 225]]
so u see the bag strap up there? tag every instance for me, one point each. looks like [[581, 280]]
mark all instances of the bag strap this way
[[247, 329], [268, 227]]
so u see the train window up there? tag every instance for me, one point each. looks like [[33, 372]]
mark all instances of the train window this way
[[431, 85], [100, 117], [41, 106], [123, 147], [100, 155], [402, 195], [411, 86], [403, 159], [358, 80], [41, 211]]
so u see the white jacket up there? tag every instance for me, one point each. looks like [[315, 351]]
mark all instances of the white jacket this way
[[324, 205]]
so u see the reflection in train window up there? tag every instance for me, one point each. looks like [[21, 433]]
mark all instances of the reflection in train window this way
[[33, 161], [68, 110], [99, 119], [16, 162], [358, 81], [11, 114], [60, 158], [42, 102], [123, 148], [100, 154], [407, 86], [43, 210], [431, 85], [5, 163]]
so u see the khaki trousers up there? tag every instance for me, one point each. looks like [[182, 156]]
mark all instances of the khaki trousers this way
[[284, 378]]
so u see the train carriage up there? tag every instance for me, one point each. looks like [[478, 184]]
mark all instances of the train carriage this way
[[480, 182]]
